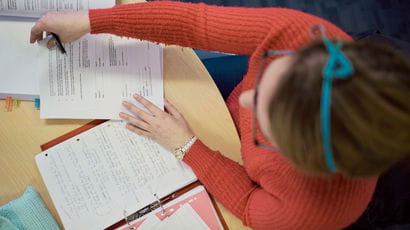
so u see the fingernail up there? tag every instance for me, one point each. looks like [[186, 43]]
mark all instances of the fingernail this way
[[137, 95], [125, 103]]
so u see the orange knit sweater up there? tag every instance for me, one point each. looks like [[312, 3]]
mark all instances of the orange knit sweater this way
[[267, 192]]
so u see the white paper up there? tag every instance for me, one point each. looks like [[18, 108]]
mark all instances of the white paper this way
[[95, 176], [97, 74], [36, 8], [185, 218], [150, 222], [20, 61]]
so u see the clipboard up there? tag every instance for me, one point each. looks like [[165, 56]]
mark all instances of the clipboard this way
[[159, 203]]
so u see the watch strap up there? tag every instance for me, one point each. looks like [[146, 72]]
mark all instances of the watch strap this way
[[179, 153]]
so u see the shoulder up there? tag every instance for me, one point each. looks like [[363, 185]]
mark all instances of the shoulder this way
[[291, 30]]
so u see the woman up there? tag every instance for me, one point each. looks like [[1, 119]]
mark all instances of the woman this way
[[321, 178]]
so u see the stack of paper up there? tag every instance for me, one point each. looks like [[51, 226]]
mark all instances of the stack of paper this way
[[90, 81], [35, 9], [21, 63]]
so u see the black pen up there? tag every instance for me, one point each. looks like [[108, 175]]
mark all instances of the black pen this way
[[59, 44]]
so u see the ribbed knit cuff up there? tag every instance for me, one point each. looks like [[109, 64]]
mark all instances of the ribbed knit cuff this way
[[197, 155]]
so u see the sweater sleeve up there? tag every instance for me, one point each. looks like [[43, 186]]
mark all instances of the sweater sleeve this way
[[213, 28], [294, 200], [235, 30], [229, 183]]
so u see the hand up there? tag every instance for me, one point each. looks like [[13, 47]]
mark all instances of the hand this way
[[169, 129], [69, 26]]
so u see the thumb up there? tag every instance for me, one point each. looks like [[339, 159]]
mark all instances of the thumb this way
[[51, 43]]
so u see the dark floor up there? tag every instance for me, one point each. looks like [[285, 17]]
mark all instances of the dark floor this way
[[390, 17]]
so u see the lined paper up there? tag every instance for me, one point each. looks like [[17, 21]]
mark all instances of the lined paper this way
[[95, 176]]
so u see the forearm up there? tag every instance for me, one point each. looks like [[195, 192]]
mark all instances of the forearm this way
[[229, 183], [225, 179], [225, 29], [190, 25]]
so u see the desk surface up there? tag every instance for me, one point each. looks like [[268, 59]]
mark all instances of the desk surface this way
[[187, 85]]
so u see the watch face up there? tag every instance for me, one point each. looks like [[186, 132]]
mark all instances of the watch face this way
[[179, 154]]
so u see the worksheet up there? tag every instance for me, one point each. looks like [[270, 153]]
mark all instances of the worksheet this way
[[36, 8], [97, 74]]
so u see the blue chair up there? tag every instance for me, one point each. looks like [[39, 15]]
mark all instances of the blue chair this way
[[226, 70]]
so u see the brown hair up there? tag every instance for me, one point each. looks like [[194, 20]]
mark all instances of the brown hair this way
[[370, 111]]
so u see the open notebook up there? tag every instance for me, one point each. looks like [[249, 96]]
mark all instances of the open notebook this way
[[101, 173]]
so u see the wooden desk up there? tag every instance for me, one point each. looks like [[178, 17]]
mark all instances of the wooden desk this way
[[187, 85]]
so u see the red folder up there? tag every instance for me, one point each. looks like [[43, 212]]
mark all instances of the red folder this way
[[71, 134]]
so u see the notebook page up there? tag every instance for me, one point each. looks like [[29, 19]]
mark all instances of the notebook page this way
[[36, 8], [95, 176]]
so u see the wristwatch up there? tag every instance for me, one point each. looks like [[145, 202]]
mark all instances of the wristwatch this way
[[179, 153]]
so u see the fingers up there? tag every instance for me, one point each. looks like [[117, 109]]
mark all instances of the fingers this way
[[137, 111], [51, 43], [147, 104], [138, 130], [135, 121], [171, 109], [36, 33]]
